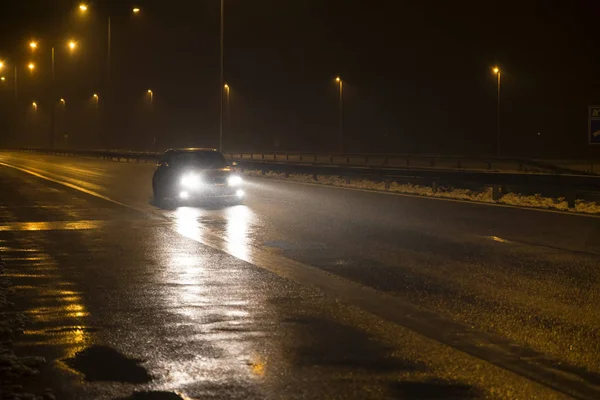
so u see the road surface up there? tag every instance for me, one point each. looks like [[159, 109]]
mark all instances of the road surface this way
[[302, 292]]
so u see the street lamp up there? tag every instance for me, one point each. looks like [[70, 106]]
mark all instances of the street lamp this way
[[63, 102], [151, 94], [341, 138], [496, 71], [2, 79], [33, 45], [1, 65], [72, 45], [31, 66], [83, 9], [34, 105]]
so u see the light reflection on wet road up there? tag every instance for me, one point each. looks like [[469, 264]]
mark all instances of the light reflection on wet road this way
[[170, 288]]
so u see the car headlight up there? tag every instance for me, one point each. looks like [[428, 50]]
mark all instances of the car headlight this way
[[234, 180], [191, 181]]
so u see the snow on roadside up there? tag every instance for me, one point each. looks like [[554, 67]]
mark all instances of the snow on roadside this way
[[481, 196]]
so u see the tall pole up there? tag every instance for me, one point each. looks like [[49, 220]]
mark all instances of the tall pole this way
[[108, 91], [341, 116], [222, 83], [498, 118], [16, 85], [52, 104]]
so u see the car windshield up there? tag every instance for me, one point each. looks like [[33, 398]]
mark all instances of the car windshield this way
[[205, 160]]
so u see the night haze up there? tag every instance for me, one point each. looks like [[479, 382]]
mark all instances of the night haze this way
[[287, 199], [417, 74]]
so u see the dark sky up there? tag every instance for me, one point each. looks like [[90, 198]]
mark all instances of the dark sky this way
[[417, 74]]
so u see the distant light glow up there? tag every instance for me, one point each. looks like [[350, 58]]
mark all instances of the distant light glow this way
[[136, 10], [72, 45], [240, 193], [1, 64], [95, 95], [62, 101], [496, 70], [31, 66], [226, 86], [234, 180], [184, 195], [33, 45], [2, 79], [338, 79], [149, 91], [82, 7]]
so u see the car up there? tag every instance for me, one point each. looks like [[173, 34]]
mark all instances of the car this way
[[191, 174]]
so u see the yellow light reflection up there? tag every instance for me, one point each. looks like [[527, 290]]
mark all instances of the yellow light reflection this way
[[258, 365], [50, 226]]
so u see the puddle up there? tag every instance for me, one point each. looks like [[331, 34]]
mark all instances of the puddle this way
[[327, 343], [153, 396], [433, 389], [102, 363]]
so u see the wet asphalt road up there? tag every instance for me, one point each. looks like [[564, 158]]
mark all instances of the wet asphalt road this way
[[302, 292]]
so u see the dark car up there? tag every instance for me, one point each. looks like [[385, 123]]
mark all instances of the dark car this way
[[189, 174]]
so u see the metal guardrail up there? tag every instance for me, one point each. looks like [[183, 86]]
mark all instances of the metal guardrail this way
[[569, 186], [411, 161]]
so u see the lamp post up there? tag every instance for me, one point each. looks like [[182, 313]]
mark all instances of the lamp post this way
[[222, 78], [341, 138], [71, 45], [498, 74], [83, 9]]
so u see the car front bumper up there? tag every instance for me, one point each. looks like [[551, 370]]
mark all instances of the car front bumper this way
[[211, 191]]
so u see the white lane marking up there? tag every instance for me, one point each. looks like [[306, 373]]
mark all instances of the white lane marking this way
[[67, 184], [417, 196]]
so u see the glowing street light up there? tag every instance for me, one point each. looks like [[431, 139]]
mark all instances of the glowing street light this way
[[31, 66], [33, 45], [2, 79], [496, 71], [136, 10], [34, 105], [63, 102], [72, 45], [83, 8], [1, 65], [341, 138], [95, 96]]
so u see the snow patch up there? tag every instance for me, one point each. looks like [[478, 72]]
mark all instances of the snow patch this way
[[481, 196]]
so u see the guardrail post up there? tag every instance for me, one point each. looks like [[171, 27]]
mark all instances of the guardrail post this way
[[434, 187], [496, 192]]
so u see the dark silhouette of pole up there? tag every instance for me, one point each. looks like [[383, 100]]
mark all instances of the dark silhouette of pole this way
[[341, 133], [498, 74], [222, 77]]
